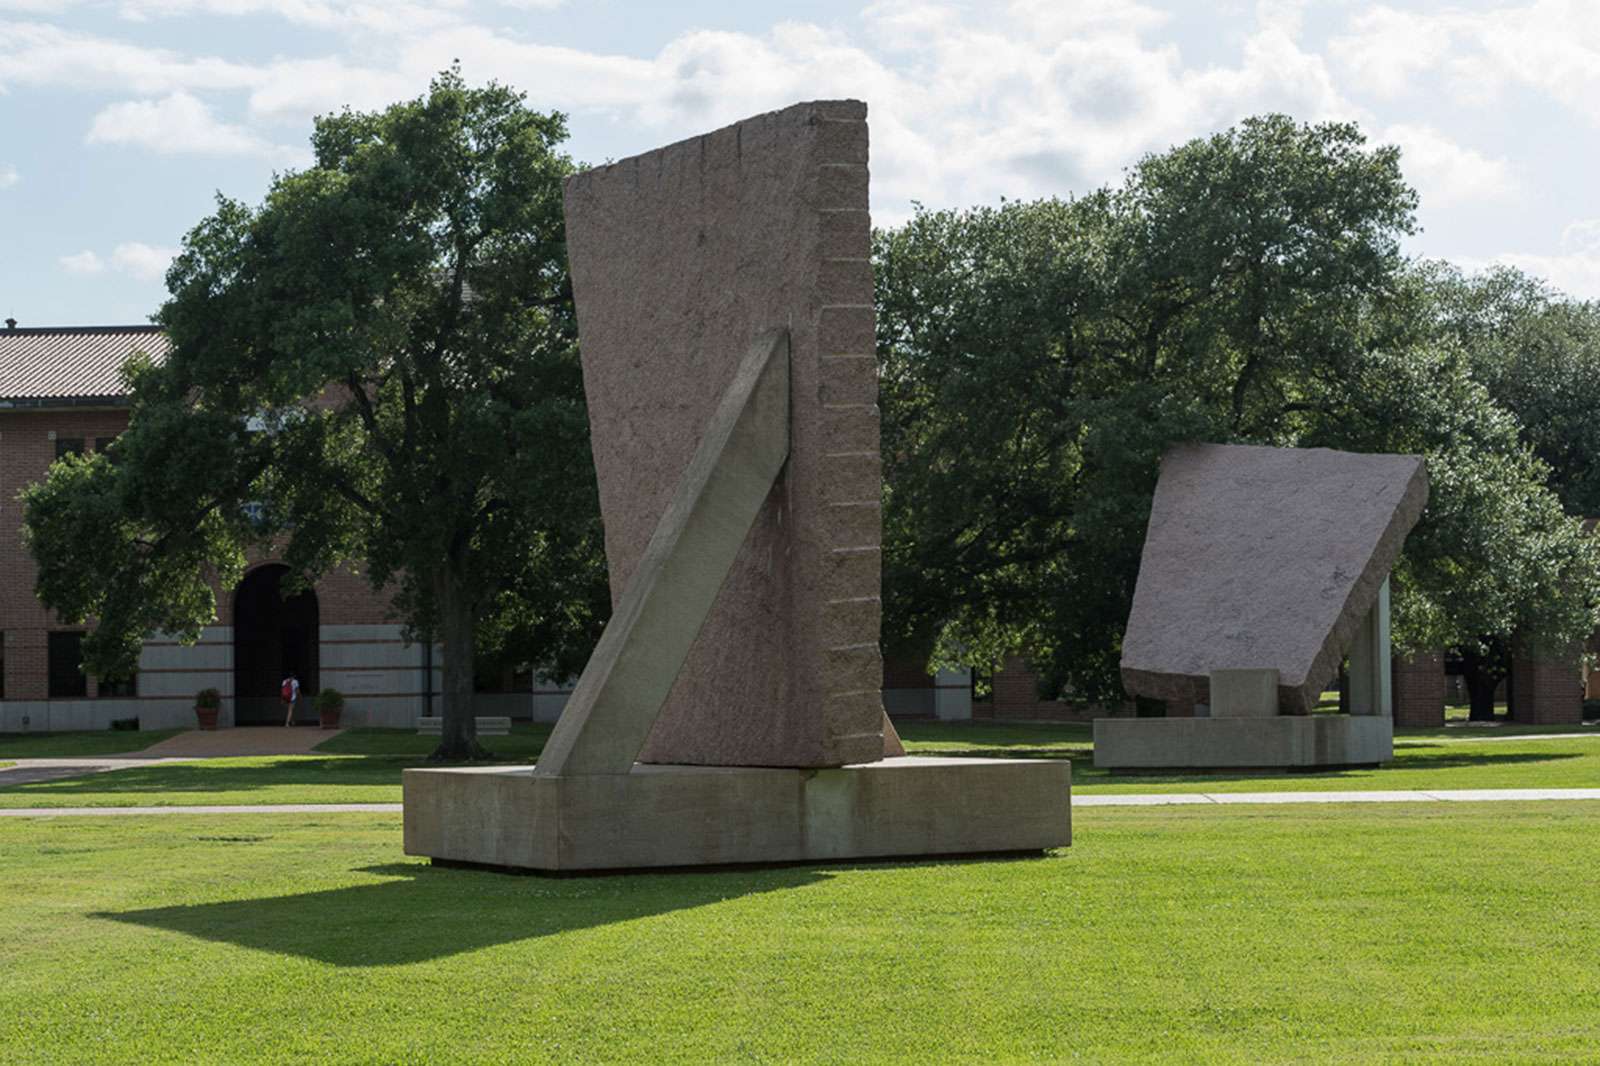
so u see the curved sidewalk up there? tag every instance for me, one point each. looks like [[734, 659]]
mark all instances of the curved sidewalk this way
[[1159, 799], [1436, 795]]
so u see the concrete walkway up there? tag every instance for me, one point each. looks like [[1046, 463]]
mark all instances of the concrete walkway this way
[[1161, 799], [1402, 740], [240, 741], [264, 808], [1437, 795], [194, 744], [32, 771]]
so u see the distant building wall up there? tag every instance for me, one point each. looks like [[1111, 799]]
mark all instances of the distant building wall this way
[[361, 648], [1547, 685], [1419, 687]]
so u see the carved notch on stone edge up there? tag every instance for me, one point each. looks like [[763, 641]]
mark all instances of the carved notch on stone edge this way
[[609, 715]]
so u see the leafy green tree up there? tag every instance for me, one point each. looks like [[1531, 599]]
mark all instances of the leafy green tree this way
[[1249, 287], [1538, 354], [382, 355]]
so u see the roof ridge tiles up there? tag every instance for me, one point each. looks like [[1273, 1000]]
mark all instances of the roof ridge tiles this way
[[40, 331]]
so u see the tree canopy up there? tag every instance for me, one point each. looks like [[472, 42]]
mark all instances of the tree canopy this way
[[375, 367], [1248, 287]]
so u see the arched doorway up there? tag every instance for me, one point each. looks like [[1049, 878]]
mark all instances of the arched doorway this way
[[272, 636]]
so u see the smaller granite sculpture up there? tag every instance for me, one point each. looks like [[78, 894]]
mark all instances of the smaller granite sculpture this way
[[1262, 569]]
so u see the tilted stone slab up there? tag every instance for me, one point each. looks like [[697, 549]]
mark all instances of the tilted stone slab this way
[[619, 696], [1264, 558], [680, 257]]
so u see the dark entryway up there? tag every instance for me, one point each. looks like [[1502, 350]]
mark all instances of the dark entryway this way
[[271, 637]]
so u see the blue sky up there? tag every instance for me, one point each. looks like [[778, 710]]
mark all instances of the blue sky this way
[[120, 119]]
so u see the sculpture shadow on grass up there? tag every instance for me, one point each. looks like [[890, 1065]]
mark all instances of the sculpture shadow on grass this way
[[428, 912]]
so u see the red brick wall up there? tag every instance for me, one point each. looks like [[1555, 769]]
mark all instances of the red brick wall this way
[[1016, 698], [905, 673], [26, 451], [1419, 691], [1546, 686]]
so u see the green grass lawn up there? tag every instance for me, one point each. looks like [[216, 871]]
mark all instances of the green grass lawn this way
[[1293, 934], [73, 745], [364, 766]]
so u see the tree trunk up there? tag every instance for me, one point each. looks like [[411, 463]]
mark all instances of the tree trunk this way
[[1483, 674], [458, 737], [1480, 693]]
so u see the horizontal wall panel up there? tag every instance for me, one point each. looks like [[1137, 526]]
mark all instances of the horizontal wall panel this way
[[208, 635], [378, 632], [910, 701], [502, 704], [386, 682], [365, 654], [547, 706], [391, 712], [182, 683], [178, 657]]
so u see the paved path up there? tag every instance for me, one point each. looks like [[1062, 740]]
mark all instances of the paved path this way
[[240, 741], [194, 744], [32, 771], [1467, 738], [263, 808], [1162, 799], [1437, 795]]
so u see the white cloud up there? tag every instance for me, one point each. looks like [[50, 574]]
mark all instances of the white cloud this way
[[1550, 46], [84, 262], [1575, 269], [143, 262], [45, 56], [1575, 273], [1032, 98], [146, 262], [1447, 174], [9, 175], [180, 124]]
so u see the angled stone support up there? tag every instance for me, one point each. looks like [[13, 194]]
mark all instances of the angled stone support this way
[[609, 715], [1370, 680]]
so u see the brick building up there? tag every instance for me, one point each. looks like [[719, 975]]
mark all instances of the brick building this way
[[60, 392]]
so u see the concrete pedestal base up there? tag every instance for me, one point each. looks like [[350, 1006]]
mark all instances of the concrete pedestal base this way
[[1285, 742], [704, 815]]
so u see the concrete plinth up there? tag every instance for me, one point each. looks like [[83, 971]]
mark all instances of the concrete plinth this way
[[664, 816], [1284, 742]]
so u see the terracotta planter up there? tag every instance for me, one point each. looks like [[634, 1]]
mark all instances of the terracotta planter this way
[[207, 716], [329, 719]]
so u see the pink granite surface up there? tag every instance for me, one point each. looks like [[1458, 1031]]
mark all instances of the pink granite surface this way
[[1259, 558], [680, 258]]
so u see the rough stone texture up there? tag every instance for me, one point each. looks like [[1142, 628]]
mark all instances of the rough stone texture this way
[[1277, 743], [1264, 558], [1243, 694], [619, 697], [684, 815], [680, 257]]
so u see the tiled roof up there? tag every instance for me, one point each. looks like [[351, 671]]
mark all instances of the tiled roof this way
[[70, 364]]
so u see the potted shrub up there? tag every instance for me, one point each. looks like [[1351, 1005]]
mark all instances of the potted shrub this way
[[207, 702], [330, 702]]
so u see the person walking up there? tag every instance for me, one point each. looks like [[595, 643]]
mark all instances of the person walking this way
[[290, 694]]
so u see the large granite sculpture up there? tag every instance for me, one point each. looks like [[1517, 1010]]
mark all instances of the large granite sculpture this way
[[732, 710], [1263, 568]]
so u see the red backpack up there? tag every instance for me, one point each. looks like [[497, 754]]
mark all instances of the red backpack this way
[[287, 691]]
